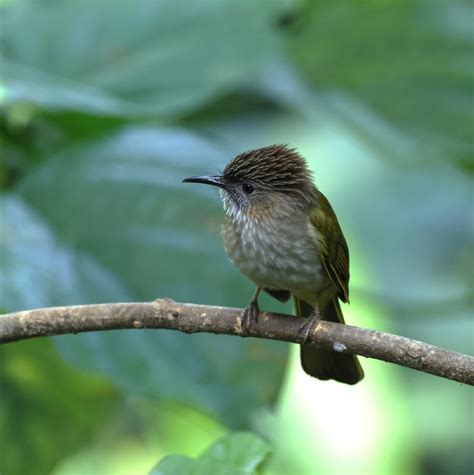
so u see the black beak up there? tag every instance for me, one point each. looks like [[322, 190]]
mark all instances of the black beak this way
[[215, 180]]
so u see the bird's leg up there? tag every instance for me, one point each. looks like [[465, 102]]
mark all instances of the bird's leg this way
[[310, 324], [250, 314]]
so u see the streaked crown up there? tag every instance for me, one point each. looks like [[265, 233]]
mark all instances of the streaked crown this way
[[276, 168]]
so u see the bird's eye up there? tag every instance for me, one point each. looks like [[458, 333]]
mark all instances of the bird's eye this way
[[248, 188]]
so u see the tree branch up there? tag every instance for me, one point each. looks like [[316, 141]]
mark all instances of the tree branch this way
[[190, 318]]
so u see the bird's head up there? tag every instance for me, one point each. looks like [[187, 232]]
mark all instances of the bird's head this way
[[262, 181]]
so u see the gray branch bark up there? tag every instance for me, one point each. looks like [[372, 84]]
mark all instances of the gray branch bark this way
[[190, 318]]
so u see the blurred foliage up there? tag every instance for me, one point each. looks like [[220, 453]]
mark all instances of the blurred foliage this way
[[384, 53], [46, 404], [236, 454], [118, 59], [105, 107]]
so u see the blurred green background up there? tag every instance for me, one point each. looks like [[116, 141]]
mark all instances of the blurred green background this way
[[106, 105]]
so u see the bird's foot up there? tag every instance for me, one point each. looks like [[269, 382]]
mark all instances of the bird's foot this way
[[249, 316], [310, 324]]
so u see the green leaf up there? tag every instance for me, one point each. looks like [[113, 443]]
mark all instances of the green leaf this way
[[111, 220], [176, 464], [235, 454], [130, 58], [37, 269]]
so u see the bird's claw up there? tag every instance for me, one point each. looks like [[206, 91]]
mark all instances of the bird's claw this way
[[309, 325], [249, 316]]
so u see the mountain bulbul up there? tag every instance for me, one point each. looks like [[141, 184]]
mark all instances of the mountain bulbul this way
[[282, 233]]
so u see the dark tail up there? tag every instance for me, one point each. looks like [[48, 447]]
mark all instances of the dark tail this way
[[324, 364]]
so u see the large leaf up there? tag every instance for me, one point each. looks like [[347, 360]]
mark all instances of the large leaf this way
[[38, 270], [111, 220], [148, 57], [235, 454]]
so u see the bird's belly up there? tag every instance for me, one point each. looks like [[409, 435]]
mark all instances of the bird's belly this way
[[272, 260]]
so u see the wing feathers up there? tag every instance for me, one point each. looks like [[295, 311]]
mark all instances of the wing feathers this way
[[333, 246]]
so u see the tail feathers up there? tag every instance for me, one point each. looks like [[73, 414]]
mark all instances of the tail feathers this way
[[323, 364]]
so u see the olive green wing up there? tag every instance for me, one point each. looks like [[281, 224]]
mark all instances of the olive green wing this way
[[332, 244]]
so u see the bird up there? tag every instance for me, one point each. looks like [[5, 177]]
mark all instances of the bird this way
[[281, 232]]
